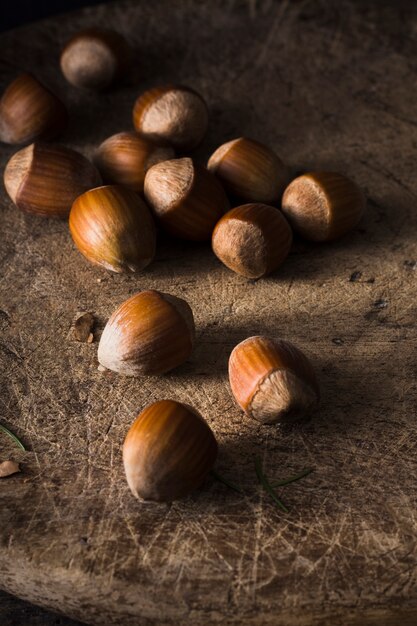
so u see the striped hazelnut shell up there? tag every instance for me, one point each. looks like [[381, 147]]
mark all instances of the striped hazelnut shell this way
[[171, 114], [252, 240], [272, 380], [168, 451], [112, 227], [186, 199], [29, 111], [95, 58], [249, 170], [124, 159], [149, 334], [322, 206], [45, 179]]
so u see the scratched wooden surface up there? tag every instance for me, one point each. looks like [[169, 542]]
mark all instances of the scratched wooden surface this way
[[328, 86]]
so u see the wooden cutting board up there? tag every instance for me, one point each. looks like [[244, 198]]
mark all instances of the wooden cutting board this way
[[327, 88]]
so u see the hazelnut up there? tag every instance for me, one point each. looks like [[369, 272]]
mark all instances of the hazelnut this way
[[249, 170], [185, 197], [112, 227], [29, 111], [252, 239], [272, 380], [168, 451], [149, 334], [322, 206], [124, 159], [94, 58], [45, 179], [172, 114]]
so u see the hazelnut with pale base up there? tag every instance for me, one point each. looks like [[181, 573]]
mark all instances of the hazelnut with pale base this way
[[272, 380], [149, 334], [171, 114], [323, 206], [252, 240]]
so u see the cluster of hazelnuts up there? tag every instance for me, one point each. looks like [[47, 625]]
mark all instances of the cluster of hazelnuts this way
[[170, 449]]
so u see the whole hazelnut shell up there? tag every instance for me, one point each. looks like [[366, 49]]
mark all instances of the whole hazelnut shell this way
[[29, 111], [272, 380], [252, 240], [95, 58], [124, 159], [249, 170], [323, 206], [171, 114], [45, 179], [186, 199], [168, 451], [112, 227], [149, 334]]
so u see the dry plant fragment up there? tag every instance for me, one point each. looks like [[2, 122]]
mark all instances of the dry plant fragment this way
[[81, 329], [7, 468]]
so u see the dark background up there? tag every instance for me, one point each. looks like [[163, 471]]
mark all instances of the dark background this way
[[17, 12]]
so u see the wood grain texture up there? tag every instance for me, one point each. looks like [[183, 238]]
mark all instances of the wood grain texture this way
[[327, 87]]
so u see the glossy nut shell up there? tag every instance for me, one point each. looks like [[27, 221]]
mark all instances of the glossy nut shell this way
[[322, 206], [125, 158], [149, 334], [186, 199], [29, 111], [252, 240], [171, 114], [168, 451], [45, 179], [272, 380], [249, 170], [112, 227]]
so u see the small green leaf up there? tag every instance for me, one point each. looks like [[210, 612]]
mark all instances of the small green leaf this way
[[267, 486], [9, 433], [288, 481], [223, 480]]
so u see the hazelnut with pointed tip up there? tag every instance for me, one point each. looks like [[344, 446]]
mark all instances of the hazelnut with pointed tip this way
[[322, 206], [149, 334], [29, 111], [249, 170], [124, 159], [171, 114], [112, 227], [252, 240], [45, 179], [95, 58], [168, 451], [272, 380], [185, 197]]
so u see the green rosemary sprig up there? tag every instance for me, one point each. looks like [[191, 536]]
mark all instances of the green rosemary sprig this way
[[267, 485], [288, 481], [9, 433], [223, 480]]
